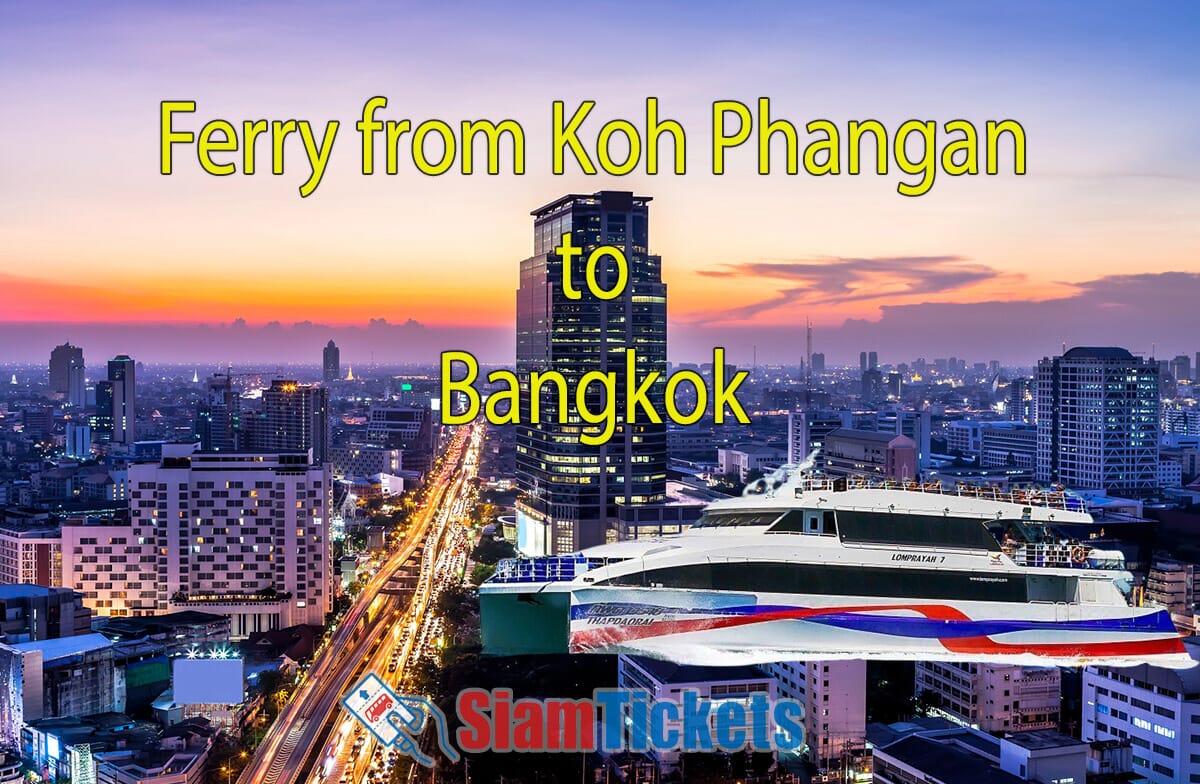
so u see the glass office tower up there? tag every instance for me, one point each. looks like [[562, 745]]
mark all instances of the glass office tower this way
[[572, 492]]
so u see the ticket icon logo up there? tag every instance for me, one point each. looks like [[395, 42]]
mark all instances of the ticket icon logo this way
[[398, 720]]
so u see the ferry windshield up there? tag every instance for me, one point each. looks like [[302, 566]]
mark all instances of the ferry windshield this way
[[724, 519], [1015, 533]]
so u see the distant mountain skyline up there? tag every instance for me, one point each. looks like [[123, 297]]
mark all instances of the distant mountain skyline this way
[[1144, 313]]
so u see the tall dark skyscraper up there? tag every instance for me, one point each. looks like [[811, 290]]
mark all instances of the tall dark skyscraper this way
[[62, 359], [573, 492], [1181, 367], [102, 420], [122, 377], [217, 415], [1022, 405], [1098, 420], [294, 417], [331, 362]]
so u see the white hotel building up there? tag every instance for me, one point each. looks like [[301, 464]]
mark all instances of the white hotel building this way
[[1155, 709], [243, 535]]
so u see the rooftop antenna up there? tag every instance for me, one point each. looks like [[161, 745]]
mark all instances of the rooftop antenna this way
[[808, 366]]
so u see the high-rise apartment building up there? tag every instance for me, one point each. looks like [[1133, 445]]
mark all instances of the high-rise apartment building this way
[[807, 431], [404, 427], [238, 534], [571, 490], [1098, 420], [122, 375], [1155, 709], [62, 359], [295, 418], [331, 362], [834, 695], [818, 362]]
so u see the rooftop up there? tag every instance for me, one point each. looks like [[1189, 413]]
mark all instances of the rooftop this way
[[670, 672], [1187, 682], [603, 196], [861, 435], [1036, 740], [1098, 352], [65, 647], [943, 761], [880, 734], [29, 591]]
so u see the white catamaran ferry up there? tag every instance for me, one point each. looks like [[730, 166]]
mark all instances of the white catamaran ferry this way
[[803, 566]]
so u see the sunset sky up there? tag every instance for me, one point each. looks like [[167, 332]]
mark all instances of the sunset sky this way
[[1108, 94]]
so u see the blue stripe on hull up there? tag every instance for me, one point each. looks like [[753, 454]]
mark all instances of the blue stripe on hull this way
[[915, 626]]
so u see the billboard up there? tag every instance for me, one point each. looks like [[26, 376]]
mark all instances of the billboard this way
[[207, 681]]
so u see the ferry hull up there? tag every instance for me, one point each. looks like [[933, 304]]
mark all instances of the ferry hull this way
[[710, 627], [714, 627], [524, 622]]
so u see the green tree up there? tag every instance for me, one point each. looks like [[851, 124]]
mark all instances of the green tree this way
[[481, 573], [490, 550]]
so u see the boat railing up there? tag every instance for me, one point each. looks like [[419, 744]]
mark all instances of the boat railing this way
[[545, 569], [1060, 555], [1063, 555], [1054, 499]]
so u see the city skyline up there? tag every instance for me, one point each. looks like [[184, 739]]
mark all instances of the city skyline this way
[[313, 474], [784, 249]]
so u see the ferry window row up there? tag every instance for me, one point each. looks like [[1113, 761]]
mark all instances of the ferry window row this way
[[826, 579], [875, 527]]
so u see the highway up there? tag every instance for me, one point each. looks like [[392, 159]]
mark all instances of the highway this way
[[311, 739]]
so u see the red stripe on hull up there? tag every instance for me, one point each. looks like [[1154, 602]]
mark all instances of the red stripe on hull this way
[[584, 641]]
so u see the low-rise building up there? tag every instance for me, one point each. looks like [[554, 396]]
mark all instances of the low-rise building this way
[[30, 552], [665, 680], [33, 612], [963, 436], [870, 454], [365, 461], [178, 632], [993, 697], [740, 460], [1170, 584], [1008, 445], [969, 756], [68, 676]]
